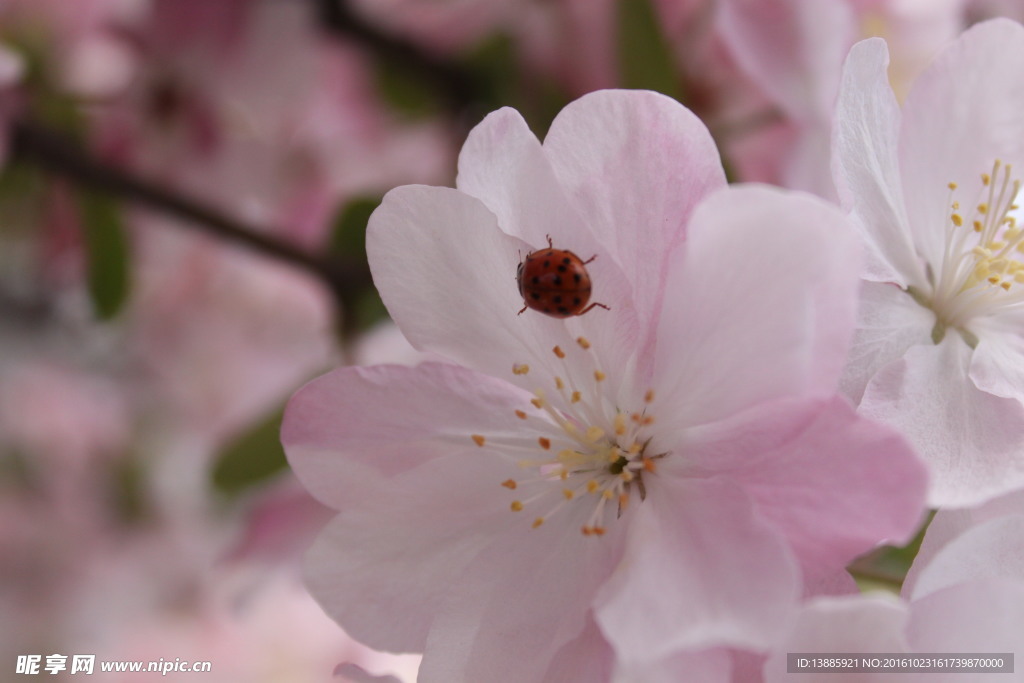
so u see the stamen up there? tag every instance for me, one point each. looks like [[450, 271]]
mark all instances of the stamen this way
[[520, 368], [559, 352], [516, 506], [479, 440], [509, 484]]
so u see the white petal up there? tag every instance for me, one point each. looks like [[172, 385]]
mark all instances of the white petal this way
[[866, 167], [971, 440], [961, 114], [889, 322]]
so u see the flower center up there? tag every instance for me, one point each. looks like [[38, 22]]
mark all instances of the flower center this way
[[981, 264], [583, 450]]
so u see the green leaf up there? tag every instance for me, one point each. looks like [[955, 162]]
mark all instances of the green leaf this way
[[348, 237], [645, 56], [251, 458], [106, 245]]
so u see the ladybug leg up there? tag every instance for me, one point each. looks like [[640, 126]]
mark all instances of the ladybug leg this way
[[550, 243], [607, 308], [522, 310], [590, 259]]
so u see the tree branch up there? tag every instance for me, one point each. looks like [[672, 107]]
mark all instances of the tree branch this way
[[461, 90], [62, 156]]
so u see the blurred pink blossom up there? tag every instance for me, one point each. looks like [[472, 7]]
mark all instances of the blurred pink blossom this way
[[938, 352], [707, 386]]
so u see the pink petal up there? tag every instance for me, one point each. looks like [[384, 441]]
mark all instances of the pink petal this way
[[706, 666], [447, 274], [793, 49], [870, 623], [991, 550], [517, 607], [949, 524], [635, 164], [353, 426], [997, 365], [713, 573], [866, 166], [970, 439], [384, 569], [587, 658], [961, 114], [762, 307], [980, 616], [831, 482], [889, 322]]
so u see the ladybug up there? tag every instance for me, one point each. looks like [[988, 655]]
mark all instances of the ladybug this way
[[555, 282]]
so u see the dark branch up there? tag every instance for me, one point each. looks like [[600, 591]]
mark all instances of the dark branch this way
[[461, 90], [62, 156]]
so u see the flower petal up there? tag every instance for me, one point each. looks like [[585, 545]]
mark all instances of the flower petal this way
[[862, 623], [759, 311], [384, 568], [997, 365], [970, 439], [866, 166], [961, 114], [991, 550], [355, 425], [519, 603], [889, 322], [707, 666], [980, 616], [447, 274], [635, 164], [700, 570], [831, 482]]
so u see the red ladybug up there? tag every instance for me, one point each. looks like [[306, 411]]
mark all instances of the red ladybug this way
[[555, 282]]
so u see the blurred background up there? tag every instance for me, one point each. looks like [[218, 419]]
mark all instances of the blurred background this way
[[184, 190]]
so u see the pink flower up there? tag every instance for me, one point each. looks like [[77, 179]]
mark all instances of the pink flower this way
[[939, 352], [689, 432], [965, 593]]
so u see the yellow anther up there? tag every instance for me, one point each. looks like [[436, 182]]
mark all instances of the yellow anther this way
[[607, 494], [626, 476], [983, 209], [649, 396], [587, 531], [952, 186], [648, 420], [594, 433], [977, 226], [1005, 285], [520, 368], [986, 179], [994, 279], [582, 341], [566, 454], [957, 220], [537, 402], [568, 494], [521, 414], [559, 384], [620, 424], [516, 506], [592, 486], [510, 484], [564, 474], [537, 522], [636, 417], [649, 465], [635, 448], [545, 443], [599, 376], [623, 500], [576, 396], [558, 352], [479, 440], [598, 530], [956, 206]]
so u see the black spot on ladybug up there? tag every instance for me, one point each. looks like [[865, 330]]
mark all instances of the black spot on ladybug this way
[[576, 301], [563, 310], [577, 277], [566, 260], [561, 269], [535, 295], [557, 299], [558, 281], [535, 280], [547, 264]]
